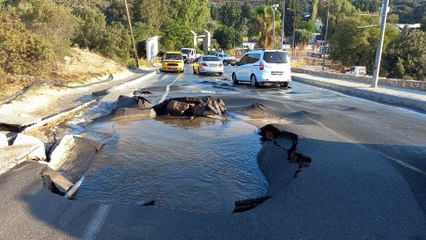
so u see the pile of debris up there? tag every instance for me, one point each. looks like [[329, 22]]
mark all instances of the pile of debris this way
[[193, 107]]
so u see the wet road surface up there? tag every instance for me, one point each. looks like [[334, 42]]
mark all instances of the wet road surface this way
[[367, 179]]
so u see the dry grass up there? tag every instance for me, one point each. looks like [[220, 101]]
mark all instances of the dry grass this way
[[78, 67]]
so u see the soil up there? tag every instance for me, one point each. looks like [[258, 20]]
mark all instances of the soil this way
[[78, 67]]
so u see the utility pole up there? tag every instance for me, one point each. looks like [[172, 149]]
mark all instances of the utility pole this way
[[135, 52], [294, 32], [325, 37], [282, 30], [383, 16], [274, 8]]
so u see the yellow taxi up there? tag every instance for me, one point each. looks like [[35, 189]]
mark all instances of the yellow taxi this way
[[173, 62]]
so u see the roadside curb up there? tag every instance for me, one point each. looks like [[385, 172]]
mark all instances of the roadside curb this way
[[69, 112], [364, 93]]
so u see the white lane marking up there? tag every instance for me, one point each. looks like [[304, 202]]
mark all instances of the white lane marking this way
[[96, 223], [402, 163], [167, 91]]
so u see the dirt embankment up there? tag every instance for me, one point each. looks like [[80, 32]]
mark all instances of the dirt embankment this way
[[77, 67]]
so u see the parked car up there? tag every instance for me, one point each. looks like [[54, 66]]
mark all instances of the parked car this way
[[226, 58], [357, 71], [173, 62], [263, 67], [208, 65]]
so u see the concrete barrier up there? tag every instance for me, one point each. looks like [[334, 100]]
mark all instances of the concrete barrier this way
[[410, 84]]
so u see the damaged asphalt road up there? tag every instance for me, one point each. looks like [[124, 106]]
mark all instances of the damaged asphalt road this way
[[366, 178]]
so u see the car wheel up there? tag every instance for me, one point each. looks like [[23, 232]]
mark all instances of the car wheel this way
[[284, 85], [234, 79], [253, 80], [225, 63]]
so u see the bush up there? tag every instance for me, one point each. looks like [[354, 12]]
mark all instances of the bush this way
[[53, 22], [116, 44], [21, 51], [92, 28]]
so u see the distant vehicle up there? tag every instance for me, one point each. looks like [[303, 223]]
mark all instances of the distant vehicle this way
[[208, 65], [226, 59], [189, 54], [263, 67], [357, 71], [172, 62]]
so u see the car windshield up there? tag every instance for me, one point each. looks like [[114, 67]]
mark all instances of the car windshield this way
[[275, 57], [172, 56], [226, 55], [185, 51], [210, 59]]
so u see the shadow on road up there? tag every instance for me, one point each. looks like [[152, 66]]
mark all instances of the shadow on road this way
[[349, 192]]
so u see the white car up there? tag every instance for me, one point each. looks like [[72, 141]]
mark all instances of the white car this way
[[208, 65], [263, 67], [226, 59]]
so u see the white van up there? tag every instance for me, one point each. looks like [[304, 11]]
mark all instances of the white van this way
[[263, 67]]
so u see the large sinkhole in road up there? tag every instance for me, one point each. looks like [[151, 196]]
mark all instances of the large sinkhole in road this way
[[194, 165]]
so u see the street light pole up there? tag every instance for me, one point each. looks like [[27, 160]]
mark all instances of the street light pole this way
[[282, 31], [384, 14], [135, 52], [325, 37]]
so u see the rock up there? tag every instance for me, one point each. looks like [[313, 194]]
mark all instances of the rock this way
[[10, 156], [222, 105], [39, 153], [135, 112], [60, 152], [3, 140], [217, 106], [144, 103], [198, 110], [176, 108], [127, 102], [213, 108], [17, 121], [207, 113], [56, 180]]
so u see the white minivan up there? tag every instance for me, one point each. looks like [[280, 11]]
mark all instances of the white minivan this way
[[263, 67]]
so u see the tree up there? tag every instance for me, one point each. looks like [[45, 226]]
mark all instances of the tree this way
[[176, 36], [116, 44], [357, 46], [302, 37], [227, 37], [262, 26], [423, 24], [53, 22], [214, 13], [309, 26], [406, 56], [339, 9], [231, 16], [314, 14], [92, 29]]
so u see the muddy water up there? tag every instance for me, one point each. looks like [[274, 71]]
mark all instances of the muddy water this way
[[193, 165]]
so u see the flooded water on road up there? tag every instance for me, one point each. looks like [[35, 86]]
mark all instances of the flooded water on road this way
[[194, 165]]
